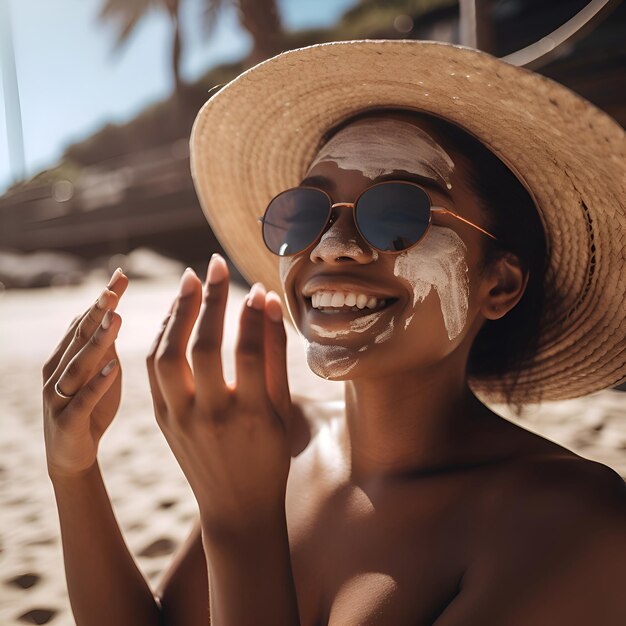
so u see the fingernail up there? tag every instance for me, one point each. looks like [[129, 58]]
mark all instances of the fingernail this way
[[108, 367], [106, 320], [186, 282], [256, 297], [116, 274], [274, 308], [102, 299], [217, 269]]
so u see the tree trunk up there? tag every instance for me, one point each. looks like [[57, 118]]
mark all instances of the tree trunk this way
[[262, 20], [173, 8], [181, 113]]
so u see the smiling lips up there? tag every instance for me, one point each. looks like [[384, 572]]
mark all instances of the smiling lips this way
[[324, 299], [333, 295]]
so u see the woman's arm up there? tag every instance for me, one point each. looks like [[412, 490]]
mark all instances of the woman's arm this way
[[184, 588], [232, 443], [80, 400], [251, 579], [104, 584]]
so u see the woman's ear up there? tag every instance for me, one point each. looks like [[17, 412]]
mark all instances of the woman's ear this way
[[504, 283]]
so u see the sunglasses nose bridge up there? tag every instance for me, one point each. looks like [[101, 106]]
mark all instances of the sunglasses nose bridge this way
[[334, 216], [347, 232]]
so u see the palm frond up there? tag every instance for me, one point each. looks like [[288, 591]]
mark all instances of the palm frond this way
[[126, 14]]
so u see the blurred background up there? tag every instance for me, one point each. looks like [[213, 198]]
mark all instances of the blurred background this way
[[98, 99]]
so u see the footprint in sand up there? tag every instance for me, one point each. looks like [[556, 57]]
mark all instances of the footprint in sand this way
[[24, 581], [160, 547], [167, 504], [37, 616]]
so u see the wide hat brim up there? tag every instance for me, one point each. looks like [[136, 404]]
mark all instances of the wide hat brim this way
[[258, 134]]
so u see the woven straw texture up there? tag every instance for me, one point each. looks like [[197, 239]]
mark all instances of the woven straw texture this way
[[257, 136]]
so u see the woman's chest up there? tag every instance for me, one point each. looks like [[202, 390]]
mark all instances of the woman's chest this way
[[371, 555]]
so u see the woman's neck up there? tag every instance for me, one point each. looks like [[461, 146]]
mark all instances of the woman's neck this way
[[410, 422]]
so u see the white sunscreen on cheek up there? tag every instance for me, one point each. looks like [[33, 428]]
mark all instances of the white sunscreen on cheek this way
[[439, 261], [381, 146]]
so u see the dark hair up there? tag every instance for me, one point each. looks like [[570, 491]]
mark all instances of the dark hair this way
[[508, 345]]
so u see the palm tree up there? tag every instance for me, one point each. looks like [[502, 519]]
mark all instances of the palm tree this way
[[262, 20], [259, 17], [128, 13]]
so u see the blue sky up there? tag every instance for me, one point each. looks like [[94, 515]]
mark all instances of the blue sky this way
[[71, 83]]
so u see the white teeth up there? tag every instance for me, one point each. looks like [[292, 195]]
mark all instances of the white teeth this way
[[361, 301], [326, 299], [338, 299]]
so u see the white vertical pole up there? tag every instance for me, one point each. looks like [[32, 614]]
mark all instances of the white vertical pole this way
[[12, 110], [467, 23], [476, 24]]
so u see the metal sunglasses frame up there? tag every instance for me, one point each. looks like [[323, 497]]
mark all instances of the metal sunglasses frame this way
[[329, 218]]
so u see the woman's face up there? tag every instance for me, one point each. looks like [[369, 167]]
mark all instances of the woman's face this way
[[425, 300]]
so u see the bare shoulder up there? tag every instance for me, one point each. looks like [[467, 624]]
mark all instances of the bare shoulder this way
[[561, 488], [554, 510], [571, 481], [309, 417], [551, 548]]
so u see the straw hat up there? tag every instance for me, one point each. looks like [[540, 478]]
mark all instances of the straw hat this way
[[258, 135]]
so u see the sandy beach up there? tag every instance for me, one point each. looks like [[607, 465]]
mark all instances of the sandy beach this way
[[152, 501]]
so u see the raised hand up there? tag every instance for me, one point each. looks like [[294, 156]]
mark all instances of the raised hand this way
[[231, 440], [84, 366]]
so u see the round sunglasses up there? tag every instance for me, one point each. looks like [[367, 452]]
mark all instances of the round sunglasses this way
[[392, 216]]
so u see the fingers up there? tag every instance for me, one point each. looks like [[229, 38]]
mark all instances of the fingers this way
[[158, 401], [173, 373], [118, 282], [83, 364], [88, 396], [51, 364], [260, 352], [250, 349], [82, 329], [277, 381], [206, 349]]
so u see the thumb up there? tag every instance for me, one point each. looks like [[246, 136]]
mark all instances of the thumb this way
[[276, 377]]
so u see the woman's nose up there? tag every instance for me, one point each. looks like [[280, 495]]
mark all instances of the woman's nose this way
[[342, 242]]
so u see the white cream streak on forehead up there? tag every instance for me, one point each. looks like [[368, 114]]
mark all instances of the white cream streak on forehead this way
[[381, 146], [439, 261]]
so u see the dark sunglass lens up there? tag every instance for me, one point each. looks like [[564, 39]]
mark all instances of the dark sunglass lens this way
[[294, 219], [393, 216]]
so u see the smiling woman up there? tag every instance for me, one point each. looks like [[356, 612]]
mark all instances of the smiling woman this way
[[508, 343], [437, 235], [432, 262]]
